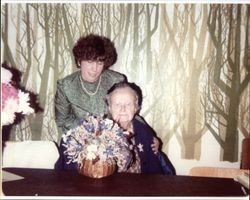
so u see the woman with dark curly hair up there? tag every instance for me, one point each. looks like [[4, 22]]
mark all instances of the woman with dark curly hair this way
[[83, 92]]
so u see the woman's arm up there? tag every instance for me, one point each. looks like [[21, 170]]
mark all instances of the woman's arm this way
[[63, 116], [155, 146], [156, 142]]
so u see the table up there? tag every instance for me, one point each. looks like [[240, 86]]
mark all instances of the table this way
[[46, 182]]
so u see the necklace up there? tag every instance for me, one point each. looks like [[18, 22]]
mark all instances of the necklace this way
[[97, 88]]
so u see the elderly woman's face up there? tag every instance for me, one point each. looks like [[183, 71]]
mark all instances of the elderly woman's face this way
[[122, 105], [91, 70]]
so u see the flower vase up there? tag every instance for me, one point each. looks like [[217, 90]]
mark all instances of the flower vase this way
[[97, 169]]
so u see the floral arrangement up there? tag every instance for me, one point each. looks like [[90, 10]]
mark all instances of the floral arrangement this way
[[14, 100], [98, 139]]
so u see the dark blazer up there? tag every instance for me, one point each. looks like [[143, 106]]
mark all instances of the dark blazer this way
[[150, 163]]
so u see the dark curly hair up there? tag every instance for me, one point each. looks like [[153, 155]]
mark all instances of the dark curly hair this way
[[95, 47]]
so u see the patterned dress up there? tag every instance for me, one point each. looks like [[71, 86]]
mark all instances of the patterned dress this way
[[136, 164], [73, 103]]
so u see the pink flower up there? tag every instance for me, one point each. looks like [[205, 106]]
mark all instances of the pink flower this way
[[8, 93], [13, 99]]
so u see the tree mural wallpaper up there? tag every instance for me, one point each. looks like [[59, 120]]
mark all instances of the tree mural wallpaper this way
[[191, 61]]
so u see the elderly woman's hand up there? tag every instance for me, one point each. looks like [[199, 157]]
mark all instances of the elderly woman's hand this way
[[155, 146]]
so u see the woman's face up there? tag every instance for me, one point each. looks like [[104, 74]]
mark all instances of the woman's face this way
[[91, 70], [122, 105]]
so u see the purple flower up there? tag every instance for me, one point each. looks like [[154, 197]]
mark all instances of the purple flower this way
[[108, 139]]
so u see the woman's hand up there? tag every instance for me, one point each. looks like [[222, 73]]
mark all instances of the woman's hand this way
[[155, 145]]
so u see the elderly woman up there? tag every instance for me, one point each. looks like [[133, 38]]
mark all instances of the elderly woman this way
[[124, 103], [83, 92]]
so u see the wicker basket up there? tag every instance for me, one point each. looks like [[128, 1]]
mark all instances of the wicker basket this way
[[97, 169]]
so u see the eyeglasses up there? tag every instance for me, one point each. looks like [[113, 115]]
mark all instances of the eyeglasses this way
[[119, 106]]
